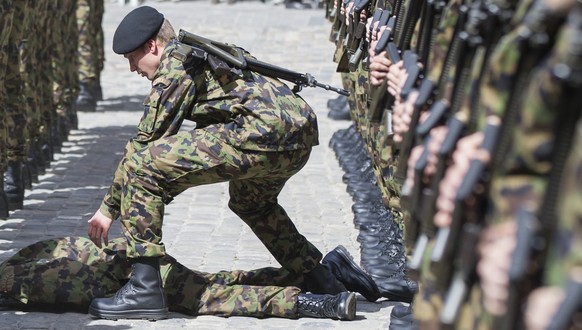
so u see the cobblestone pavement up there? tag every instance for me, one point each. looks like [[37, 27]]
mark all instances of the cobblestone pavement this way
[[199, 229]]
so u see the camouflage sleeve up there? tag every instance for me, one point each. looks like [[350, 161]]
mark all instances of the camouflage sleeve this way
[[110, 206]]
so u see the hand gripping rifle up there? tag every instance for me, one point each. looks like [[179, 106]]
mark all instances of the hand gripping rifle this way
[[380, 97], [465, 230], [223, 56]]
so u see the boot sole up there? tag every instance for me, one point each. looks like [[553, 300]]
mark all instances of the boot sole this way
[[350, 311], [144, 314]]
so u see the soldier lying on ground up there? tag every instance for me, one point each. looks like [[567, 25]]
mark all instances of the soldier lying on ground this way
[[69, 272]]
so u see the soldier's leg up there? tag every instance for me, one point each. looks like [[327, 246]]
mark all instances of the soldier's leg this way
[[46, 273], [15, 177], [5, 27], [265, 301], [86, 100]]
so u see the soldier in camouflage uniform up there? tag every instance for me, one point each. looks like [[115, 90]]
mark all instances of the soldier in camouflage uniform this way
[[70, 272], [90, 52], [5, 27], [15, 115], [251, 131]]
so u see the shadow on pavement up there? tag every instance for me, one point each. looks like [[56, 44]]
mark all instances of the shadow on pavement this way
[[70, 192]]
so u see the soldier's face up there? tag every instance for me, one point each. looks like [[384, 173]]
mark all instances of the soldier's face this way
[[144, 60]]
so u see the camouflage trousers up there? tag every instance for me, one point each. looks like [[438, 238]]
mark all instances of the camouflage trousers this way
[[70, 272], [153, 174]]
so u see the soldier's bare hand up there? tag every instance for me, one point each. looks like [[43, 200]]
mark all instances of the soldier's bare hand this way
[[542, 305], [402, 116], [496, 247], [467, 149], [379, 66], [395, 74], [99, 226]]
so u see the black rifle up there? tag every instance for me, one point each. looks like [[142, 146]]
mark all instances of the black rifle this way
[[572, 303], [206, 49], [358, 46], [380, 96], [424, 94], [343, 39], [463, 238], [411, 16]]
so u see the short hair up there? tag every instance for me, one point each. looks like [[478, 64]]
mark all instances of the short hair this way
[[166, 33]]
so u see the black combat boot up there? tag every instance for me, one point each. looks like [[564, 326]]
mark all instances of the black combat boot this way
[[341, 306], [401, 318], [14, 185], [86, 101], [3, 203], [10, 303], [142, 297], [342, 266], [321, 280], [26, 175]]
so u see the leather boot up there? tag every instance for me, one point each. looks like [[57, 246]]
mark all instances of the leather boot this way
[[401, 318], [26, 176], [14, 185], [340, 112], [10, 303], [3, 203], [142, 297], [342, 265], [321, 280], [341, 306], [86, 100]]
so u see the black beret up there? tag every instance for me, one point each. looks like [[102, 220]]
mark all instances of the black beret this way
[[136, 28]]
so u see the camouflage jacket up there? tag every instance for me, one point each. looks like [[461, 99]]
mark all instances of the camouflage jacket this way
[[244, 109]]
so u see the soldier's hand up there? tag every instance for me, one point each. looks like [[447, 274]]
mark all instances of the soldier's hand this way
[[542, 305], [402, 116], [396, 77], [379, 66], [99, 226], [467, 149], [496, 248], [415, 154]]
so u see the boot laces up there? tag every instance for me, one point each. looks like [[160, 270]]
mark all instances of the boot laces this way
[[323, 306]]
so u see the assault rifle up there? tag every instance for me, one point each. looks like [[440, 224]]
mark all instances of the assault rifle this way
[[465, 232], [380, 96], [223, 57], [357, 41]]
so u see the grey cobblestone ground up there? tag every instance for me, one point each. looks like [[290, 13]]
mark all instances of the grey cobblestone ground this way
[[199, 229]]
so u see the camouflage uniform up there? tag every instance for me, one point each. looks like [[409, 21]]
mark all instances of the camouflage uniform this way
[[71, 271], [65, 68], [33, 91], [89, 15], [252, 131], [564, 255], [6, 20], [15, 115]]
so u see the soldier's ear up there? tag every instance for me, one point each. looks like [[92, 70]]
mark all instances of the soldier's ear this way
[[152, 46]]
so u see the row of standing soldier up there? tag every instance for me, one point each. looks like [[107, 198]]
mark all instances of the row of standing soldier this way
[[51, 56], [468, 112]]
